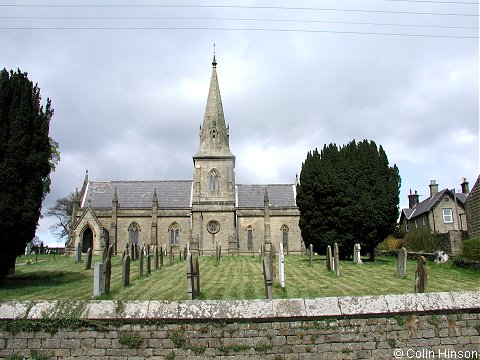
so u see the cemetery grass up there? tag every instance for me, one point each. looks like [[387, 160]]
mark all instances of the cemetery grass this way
[[235, 278]]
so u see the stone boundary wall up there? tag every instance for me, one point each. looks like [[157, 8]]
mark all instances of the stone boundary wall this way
[[431, 325]]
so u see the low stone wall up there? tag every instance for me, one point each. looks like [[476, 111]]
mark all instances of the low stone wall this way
[[410, 326]]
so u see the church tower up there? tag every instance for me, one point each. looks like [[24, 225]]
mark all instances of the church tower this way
[[213, 197]]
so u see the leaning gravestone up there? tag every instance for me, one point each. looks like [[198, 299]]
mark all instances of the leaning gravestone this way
[[149, 263], [88, 263], [98, 279], [126, 271], [402, 262], [78, 252], [196, 275], [329, 258], [356, 254], [311, 255], [185, 252], [272, 263], [190, 285], [104, 254], [267, 279], [107, 275], [336, 259], [155, 254], [161, 256], [421, 276], [140, 263], [281, 266]]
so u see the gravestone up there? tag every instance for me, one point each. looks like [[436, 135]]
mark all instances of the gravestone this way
[[140, 263], [281, 266], [267, 279], [180, 254], [78, 252], [336, 259], [171, 256], [196, 275], [185, 252], [272, 264], [149, 263], [110, 252], [190, 285], [421, 276], [126, 271], [219, 252], [311, 254], [104, 254], [107, 275], [329, 258], [88, 263], [402, 262], [356, 254], [98, 279], [155, 254], [161, 256], [132, 252]]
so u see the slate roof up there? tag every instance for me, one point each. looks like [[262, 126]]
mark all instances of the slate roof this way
[[279, 195], [172, 194], [427, 204]]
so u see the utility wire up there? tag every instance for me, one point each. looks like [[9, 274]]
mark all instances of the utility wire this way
[[243, 29], [235, 7], [233, 19]]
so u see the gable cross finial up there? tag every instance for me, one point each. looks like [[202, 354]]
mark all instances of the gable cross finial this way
[[214, 62]]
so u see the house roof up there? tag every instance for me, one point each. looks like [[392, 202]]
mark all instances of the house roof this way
[[252, 196], [427, 204], [139, 194]]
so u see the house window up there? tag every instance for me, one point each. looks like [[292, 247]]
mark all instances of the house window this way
[[250, 238], [174, 231], [423, 221], [133, 230], [285, 236], [406, 225], [416, 223], [447, 216], [213, 176]]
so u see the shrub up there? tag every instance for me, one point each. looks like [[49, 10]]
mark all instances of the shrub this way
[[421, 240], [471, 249], [390, 243], [130, 340]]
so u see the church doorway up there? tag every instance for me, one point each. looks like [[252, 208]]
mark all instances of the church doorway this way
[[87, 240]]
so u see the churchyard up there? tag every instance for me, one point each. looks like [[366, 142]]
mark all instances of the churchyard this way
[[234, 277]]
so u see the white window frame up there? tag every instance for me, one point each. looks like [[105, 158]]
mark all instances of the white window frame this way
[[446, 216]]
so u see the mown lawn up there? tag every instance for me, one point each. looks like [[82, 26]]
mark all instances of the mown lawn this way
[[234, 278]]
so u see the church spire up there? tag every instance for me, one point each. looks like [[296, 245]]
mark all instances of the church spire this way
[[214, 133]]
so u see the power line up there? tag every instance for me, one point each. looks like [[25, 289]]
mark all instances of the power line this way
[[436, 2], [234, 7], [233, 19], [243, 29]]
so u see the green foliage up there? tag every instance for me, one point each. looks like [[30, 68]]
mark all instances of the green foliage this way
[[422, 240], [25, 162], [390, 243], [131, 341], [36, 356], [14, 357], [178, 337], [471, 249], [171, 355], [348, 195]]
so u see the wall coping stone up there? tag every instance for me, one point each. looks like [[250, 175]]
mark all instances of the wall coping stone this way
[[243, 310]]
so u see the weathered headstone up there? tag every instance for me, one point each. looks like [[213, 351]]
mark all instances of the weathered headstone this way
[[272, 264], [185, 252], [132, 252], [171, 256], [180, 255], [104, 254], [329, 258], [126, 271], [107, 275], [161, 256], [402, 262], [267, 279], [140, 263], [196, 275], [78, 252], [310, 252], [155, 254], [190, 285], [421, 276], [356, 254], [216, 254], [336, 259], [88, 263], [219, 252], [281, 266], [98, 279], [110, 252], [149, 263]]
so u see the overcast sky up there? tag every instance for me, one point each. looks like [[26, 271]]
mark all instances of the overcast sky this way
[[129, 99]]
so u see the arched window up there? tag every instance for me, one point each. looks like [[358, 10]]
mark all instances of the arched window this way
[[174, 231], [284, 229], [250, 237], [133, 230], [213, 175]]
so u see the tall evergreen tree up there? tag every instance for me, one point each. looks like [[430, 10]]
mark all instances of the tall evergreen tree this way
[[25, 163], [348, 195]]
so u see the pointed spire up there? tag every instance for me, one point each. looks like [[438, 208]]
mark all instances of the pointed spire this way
[[76, 196], [115, 197], [266, 200], [214, 61], [154, 198], [214, 139]]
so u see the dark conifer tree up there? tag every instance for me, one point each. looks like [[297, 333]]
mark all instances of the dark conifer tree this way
[[348, 195], [25, 163]]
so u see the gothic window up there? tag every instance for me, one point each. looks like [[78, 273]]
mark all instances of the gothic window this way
[[133, 230], [213, 176], [249, 237], [174, 231], [285, 236]]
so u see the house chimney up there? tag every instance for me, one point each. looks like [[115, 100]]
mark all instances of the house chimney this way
[[433, 187], [413, 199], [464, 185]]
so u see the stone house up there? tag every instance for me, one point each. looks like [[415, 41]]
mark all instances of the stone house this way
[[472, 208], [202, 212]]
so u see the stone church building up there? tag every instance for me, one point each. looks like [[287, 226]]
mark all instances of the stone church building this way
[[212, 208]]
